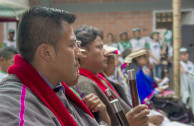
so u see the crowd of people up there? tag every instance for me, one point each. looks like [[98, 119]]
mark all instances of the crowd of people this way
[[61, 76]]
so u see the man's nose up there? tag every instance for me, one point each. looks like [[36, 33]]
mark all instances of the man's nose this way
[[105, 52]]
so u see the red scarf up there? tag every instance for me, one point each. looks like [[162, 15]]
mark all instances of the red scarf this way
[[93, 77], [31, 78]]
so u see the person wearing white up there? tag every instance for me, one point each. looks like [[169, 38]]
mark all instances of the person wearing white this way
[[10, 42], [186, 65], [110, 40], [6, 59], [155, 52], [187, 78], [137, 42]]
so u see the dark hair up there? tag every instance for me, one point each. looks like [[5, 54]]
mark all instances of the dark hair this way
[[113, 38], [133, 65], [125, 53], [7, 52], [41, 25], [87, 34], [123, 33]]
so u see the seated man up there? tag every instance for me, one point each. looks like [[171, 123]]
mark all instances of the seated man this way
[[110, 69], [34, 93], [6, 59], [94, 61]]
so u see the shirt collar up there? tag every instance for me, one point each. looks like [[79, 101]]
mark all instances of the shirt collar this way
[[50, 85], [55, 88]]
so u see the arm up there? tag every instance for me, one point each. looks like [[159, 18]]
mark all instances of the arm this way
[[96, 105], [157, 61], [3, 45], [87, 86]]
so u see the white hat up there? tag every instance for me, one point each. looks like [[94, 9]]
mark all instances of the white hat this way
[[183, 49], [111, 50], [134, 54], [128, 59]]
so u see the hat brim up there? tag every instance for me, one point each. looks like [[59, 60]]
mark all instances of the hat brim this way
[[138, 53]]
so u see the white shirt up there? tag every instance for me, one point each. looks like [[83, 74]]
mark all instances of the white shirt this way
[[155, 50], [10, 43], [187, 66], [138, 43], [112, 45]]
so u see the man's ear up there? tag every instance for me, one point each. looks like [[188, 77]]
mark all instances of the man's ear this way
[[46, 52]]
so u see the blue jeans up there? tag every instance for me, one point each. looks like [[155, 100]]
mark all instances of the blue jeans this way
[[158, 71]]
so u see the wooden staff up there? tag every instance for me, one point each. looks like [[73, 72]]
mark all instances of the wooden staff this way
[[176, 5], [117, 109], [133, 87]]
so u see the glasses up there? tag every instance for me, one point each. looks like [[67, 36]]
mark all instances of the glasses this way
[[78, 43]]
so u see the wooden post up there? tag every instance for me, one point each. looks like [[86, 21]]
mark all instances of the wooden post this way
[[176, 5]]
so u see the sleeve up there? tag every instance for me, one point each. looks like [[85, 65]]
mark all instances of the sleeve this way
[[147, 45], [3, 45], [19, 106], [118, 47], [130, 45], [10, 108]]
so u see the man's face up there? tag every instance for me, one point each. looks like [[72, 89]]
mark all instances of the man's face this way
[[66, 63], [136, 34], [156, 36], [124, 37], [110, 38], [11, 35], [110, 65], [96, 56], [5, 64], [184, 56]]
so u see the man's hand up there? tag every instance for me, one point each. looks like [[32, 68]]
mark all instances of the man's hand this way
[[156, 119], [94, 103], [138, 116], [157, 62]]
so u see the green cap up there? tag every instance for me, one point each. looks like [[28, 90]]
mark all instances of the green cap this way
[[11, 30], [136, 29], [155, 32]]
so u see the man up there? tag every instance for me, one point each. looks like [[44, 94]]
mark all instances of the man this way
[[10, 42], [124, 42], [94, 61], [6, 60], [186, 65], [33, 94], [155, 52], [137, 42]]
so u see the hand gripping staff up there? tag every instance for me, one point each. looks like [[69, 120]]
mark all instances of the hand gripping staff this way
[[117, 109]]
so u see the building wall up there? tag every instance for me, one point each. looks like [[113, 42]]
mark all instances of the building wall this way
[[114, 16], [116, 22]]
